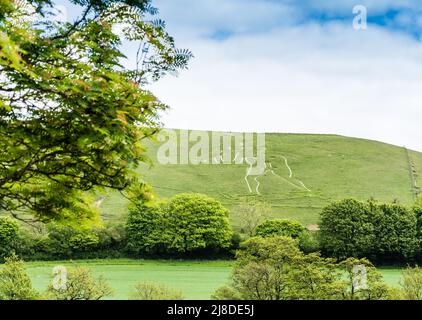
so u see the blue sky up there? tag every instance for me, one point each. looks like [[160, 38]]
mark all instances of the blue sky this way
[[296, 66]]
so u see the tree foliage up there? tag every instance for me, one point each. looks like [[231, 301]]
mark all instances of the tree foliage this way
[[395, 229], [372, 287], [280, 227], [249, 215], [411, 284], [145, 229], [275, 269], [346, 229], [382, 232], [15, 284], [9, 237], [153, 291], [72, 116], [80, 284], [187, 223]]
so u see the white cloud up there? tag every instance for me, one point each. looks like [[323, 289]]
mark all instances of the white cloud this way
[[308, 78]]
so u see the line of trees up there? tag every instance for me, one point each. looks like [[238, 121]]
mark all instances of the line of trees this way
[[187, 225], [274, 268], [384, 233]]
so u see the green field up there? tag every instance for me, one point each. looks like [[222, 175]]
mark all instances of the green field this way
[[197, 279], [332, 167]]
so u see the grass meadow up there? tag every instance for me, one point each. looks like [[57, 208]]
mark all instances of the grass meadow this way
[[196, 279]]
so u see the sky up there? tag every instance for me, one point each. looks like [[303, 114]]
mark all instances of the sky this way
[[296, 66]]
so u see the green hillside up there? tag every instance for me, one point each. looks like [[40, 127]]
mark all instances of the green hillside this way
[[332, 167]]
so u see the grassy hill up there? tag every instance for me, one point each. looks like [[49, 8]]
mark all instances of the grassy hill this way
[[304, 173]]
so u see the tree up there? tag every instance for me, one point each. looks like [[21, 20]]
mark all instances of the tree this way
[[280, 227], [72, 117], [9, 237], [249, 214], [197, 222], [383, 232], [145, 228], [275, 269], [226, 293], [364, 282], [347, 229], [411, 284], [63, 242], [80, 284], [152, 291], [418, 213], [15, 284], [263, 266], [187, 223], [316, 278], [395, 230]]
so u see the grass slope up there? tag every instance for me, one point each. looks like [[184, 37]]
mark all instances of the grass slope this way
[[332, 167]]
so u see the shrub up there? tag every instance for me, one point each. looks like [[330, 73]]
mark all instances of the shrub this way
[[80, 284], [308, 242], [411, 284], [112, 241], [152, 291], [15, 284], [9, 237], [68, 242], [280, 227], [226, 293]]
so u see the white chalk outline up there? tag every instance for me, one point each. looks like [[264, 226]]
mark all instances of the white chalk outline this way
[[300, 187]]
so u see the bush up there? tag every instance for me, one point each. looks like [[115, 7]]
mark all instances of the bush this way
[[280, 227], [308, 242], [15, 284], [80, 284], [65, 242], [152, 291], [9, 237], [226, 293], [411, 284], [187, 224]]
